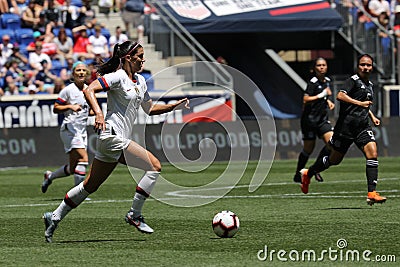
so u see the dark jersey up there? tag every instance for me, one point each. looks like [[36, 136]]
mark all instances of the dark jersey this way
[[354, 119], [316, 112]]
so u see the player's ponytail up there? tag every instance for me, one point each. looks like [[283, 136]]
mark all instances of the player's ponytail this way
[[118, 58]]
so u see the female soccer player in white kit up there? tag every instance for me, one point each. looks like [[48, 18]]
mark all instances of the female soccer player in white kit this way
[[126, 92], [72, 103]]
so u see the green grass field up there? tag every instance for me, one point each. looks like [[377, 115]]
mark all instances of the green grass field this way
[[277, 216]]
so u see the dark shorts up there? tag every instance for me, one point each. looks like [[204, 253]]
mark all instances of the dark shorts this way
[[311, 133], [342, 144]]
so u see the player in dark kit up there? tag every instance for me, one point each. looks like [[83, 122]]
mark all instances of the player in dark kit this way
[[314, 119], [353, 127]]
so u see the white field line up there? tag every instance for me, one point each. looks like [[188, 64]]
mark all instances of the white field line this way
[[183, 194], [13, 168]]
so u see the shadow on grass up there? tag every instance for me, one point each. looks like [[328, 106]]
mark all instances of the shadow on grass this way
[[344, 208], [99, 241]]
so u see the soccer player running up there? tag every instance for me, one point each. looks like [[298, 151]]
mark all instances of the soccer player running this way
[[72, 103], [126, 92], [314, 119], [353, 126]]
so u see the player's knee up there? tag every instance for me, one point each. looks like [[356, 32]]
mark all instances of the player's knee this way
[[373, 155]]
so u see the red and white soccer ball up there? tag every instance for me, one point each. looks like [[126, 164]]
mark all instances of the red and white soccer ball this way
[[225, 224]]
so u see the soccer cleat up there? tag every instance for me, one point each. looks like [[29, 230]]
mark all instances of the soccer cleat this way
[[374, 197], [318, 177], [297, 178], [50, 226], [46, 181], [139, 223], [305, 181]]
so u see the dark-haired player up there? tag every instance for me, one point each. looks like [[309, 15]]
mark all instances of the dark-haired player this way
[[353, 126]]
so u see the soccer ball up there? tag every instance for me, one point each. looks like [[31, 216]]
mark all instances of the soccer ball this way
[[225, 224]]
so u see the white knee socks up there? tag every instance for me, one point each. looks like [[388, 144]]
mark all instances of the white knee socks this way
[[72, 199], [143, 191]]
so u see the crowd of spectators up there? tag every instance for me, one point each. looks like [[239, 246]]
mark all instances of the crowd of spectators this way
[[37, 51], [375, 29], [370, 13]]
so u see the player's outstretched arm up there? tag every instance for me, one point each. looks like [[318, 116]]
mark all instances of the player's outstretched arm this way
[[155, 109]]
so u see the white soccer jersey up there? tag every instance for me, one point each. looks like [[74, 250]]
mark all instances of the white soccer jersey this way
[[124, 97], [72, 95]]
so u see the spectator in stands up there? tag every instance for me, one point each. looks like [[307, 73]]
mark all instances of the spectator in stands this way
[[363, 12], [13, 7], [43, 26], [17, 55], [88, 15], [132, 14], [22, 5], [3, 59], [64, 44], [118, 38], [32, 89], [37, 37], [48, 45], [52, 13], [35, 58], [81, 43], [65, 73], [73, 15], [11, 89], [13, 78], [99, 43], [396, 19], [3, 71], [58, 85], [30, 16], [28, 80], [376, 7], [383, 20], [385, 40], [105, 6], [6, 46], [44, 79], [116, 6], [4, 6]]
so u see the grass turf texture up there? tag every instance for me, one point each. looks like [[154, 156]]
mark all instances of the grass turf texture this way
[[276, 215]]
